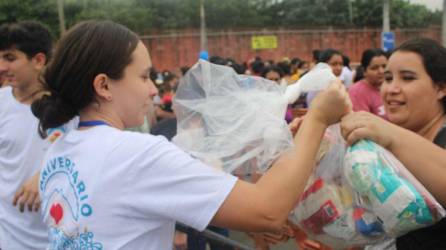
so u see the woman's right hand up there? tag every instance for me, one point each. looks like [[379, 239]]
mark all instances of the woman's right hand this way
[[364, 125], [331, 105]]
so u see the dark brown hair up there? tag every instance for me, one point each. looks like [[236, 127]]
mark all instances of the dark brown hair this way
[[86, 50]]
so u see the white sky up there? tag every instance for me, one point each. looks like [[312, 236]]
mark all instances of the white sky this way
[[431, 4]]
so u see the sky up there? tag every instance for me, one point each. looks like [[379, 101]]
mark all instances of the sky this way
[[431, 4]]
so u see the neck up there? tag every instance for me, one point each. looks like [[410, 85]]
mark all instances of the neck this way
[[430, 130], [372, 85], [28, 94], [95, 114]]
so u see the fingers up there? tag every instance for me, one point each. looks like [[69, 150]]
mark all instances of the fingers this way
[[357, 126], [295, 125], [37, 203], [26, 198], [356, 135], [31, 201], [18, 195], [23, 200]]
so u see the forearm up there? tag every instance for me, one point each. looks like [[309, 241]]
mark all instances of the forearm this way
[[425, 160], [282, 185]]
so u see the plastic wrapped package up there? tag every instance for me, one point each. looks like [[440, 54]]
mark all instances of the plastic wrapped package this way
[[400, 201], [361, 197], [328, 209], [230, 121]]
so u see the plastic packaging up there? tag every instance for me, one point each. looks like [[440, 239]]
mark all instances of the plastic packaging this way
[[361, 197], [230, 121]]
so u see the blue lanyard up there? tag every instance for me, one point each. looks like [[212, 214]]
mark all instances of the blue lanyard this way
[[92, 123]]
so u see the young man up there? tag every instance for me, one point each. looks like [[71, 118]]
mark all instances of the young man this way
[[24, 50]]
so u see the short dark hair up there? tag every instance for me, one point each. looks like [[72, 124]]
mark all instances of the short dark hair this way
[[257, 66], [272, 68], [86, 50], [29, 37], [433, 56], [346, 61], [327, 54], [368, 55], [285, 67]]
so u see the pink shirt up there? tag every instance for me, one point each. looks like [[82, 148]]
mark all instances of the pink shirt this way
[[366, 98]]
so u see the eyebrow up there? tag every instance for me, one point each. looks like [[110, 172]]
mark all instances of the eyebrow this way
[[7, 53], [403, 71], [406, 71]]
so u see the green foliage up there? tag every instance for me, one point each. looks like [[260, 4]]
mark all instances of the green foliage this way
[[146, 15]]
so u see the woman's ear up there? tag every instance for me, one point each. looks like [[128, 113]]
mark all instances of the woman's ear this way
[[101, 87], [441, 91]]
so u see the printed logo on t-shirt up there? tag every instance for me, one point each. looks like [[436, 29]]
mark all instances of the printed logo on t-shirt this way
[[54, 133], [65, 202]]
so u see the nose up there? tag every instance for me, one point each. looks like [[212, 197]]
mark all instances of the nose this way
[[381, 69], [153, 90], [3, 66], [393, 87]]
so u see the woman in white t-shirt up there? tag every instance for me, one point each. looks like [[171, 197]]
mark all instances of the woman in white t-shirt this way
[[105, 188]]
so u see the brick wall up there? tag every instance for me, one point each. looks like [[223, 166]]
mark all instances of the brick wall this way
[[180, 48]]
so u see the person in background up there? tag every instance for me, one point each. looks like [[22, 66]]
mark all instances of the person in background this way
[[346, 74], [272, 73], [334, 59], [365, 94], [257, 66], [286, 69], [25, 48], [295, 69]]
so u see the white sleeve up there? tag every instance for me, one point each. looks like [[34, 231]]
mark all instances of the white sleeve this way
[[167, 182]]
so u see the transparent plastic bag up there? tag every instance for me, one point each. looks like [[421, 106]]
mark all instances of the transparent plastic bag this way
[[395, 196], [230, 121], [327, 210], [361, 195]]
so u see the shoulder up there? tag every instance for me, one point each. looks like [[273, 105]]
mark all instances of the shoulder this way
[[356, 88], [4, 92], [134, 144]]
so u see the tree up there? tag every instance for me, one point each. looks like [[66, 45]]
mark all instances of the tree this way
[[144, 16]]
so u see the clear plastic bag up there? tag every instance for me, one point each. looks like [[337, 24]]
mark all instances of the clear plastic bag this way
[[230, 121], [360, 195]]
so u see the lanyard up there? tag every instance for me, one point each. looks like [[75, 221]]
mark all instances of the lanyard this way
[[92, 123]]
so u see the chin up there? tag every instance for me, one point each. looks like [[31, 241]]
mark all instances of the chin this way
[[396, 119]]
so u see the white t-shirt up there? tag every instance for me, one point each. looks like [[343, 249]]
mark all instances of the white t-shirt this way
[[21, 155], [346, 76], [109, 189]]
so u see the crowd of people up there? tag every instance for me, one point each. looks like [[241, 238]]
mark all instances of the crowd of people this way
[[81, 167]]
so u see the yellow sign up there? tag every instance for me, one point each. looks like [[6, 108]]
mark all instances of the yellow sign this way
[[264, 42]]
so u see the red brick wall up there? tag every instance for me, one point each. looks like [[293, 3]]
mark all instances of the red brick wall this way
[[181, 48]]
